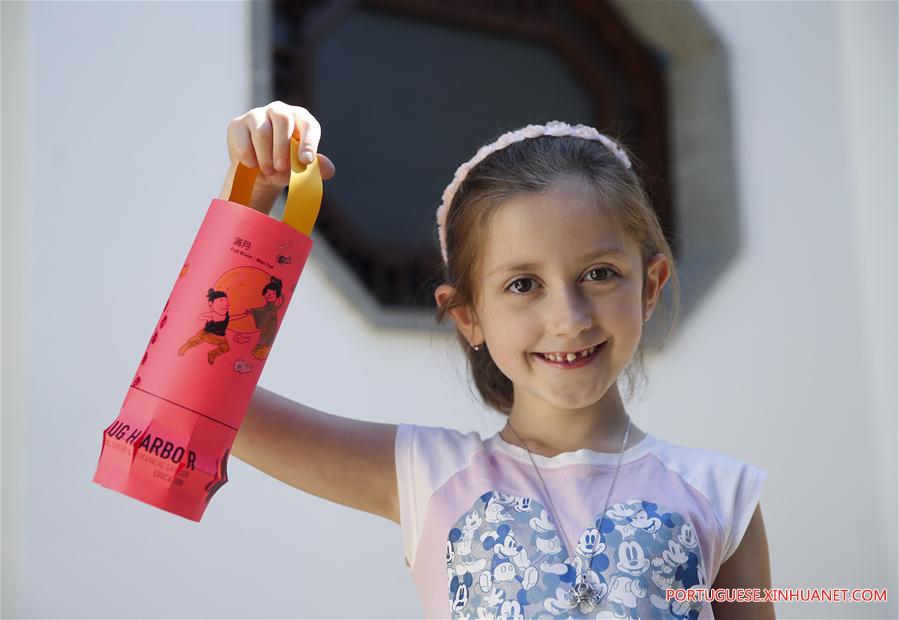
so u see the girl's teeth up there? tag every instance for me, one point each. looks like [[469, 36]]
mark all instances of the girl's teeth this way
[[569, 357]]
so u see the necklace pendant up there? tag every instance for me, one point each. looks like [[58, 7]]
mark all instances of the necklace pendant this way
[[583, 593]]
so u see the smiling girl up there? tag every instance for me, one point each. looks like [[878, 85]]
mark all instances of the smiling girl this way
[[554, 260]]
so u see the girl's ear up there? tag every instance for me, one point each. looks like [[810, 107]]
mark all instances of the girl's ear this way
[[658, 270], [462, 316]]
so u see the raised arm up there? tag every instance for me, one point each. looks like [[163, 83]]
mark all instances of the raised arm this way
[[350, 462], [346, 461]]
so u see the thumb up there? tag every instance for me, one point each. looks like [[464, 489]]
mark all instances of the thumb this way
[[326, 166]]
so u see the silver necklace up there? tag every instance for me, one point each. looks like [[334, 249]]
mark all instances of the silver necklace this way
[[582, 592]]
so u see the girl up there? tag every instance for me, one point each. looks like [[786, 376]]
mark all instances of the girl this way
[[553, 262]]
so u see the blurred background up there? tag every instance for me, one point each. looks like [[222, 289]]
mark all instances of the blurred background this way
[[768, 136]]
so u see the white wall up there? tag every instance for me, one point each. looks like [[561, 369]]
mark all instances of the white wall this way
[[14, 22], [807, 318], [789, 364]]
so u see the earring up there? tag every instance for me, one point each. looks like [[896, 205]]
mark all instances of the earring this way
[[476, 347]]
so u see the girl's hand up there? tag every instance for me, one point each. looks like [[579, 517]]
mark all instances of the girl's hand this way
[[261, 138]]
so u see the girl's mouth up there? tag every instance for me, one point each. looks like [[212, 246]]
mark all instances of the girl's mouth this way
[[579, 362]]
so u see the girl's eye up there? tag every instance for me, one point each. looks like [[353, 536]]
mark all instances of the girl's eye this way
[[512, 285], [514, 282], [609, 269]]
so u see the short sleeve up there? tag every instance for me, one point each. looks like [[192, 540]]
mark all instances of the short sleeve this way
[[747, 491], [426, 457], [412, 489]]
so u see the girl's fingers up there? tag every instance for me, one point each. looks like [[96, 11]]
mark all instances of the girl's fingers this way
[[261, 133], [261, 139], [310, 134], [240, 145], [282, 128]]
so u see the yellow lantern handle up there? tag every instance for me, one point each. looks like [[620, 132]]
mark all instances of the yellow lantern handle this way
[[304, 194]]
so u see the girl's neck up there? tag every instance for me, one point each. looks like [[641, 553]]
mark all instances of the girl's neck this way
[[599, 428]]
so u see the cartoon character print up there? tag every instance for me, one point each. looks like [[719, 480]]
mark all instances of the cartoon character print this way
[[213, 332], [505, 559], [266, 317], [218, 320]]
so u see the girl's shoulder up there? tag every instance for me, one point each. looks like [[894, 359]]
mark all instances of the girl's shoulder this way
[[703, 462], [436, 448], [426, 458], [732, 486]]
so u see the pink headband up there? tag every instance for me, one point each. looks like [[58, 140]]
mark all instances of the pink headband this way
[[552, 128]]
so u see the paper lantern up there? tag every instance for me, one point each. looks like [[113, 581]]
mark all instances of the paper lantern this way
[[169, 445]]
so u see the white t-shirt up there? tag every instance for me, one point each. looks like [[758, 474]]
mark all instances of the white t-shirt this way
[[480, 539]]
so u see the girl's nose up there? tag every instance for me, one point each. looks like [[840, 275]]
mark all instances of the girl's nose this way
[[570, 314]]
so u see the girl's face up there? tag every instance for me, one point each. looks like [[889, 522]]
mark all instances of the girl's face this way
[[270, 295], [547, 287]]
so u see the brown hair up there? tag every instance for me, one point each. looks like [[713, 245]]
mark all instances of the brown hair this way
[[533, 165]]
